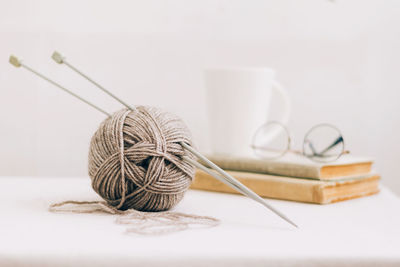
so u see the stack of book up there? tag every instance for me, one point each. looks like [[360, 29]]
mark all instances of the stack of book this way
[[295, 177]]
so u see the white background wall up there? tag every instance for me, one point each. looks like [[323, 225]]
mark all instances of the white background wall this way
[[339, 60]]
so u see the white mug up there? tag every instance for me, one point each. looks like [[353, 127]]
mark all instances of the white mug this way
[[238, 103]]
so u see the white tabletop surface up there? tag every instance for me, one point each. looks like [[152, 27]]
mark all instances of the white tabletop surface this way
[[363, 231]]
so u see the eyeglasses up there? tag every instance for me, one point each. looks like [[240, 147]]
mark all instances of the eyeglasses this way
[[322, 143]]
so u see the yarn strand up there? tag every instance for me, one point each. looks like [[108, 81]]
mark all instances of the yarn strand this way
[[122, 158], [138, 222]]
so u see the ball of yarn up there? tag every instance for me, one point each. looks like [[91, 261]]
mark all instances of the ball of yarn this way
[[135, 160]]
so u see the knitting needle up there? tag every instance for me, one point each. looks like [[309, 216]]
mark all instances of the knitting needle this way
[[211, 172], [223, 176], [57, 57], [233, 182], [18, 63]]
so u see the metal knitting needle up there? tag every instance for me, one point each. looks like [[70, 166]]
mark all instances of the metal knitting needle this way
[[232, 181], [57, 57], [221, 175], [18, 63], [209, 171]]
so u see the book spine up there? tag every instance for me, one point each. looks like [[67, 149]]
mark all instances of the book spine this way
[[273, 188]]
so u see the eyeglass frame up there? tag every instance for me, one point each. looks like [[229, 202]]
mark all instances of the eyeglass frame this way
[[289, 143]]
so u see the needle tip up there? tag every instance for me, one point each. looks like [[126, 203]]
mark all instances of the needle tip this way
[[15, 61], [57, 57], [292, 223], [285, 218]]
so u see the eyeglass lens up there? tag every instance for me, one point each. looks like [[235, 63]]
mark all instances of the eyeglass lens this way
[[323, 143], [271, 140]]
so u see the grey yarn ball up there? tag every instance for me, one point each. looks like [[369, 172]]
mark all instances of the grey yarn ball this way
[[135, 159]]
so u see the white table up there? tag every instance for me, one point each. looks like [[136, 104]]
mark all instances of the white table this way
[[361, 232]]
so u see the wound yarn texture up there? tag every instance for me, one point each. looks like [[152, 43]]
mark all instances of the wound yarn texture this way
[[135, 160]]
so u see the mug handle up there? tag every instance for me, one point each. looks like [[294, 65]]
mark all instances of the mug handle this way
[[287, 106]]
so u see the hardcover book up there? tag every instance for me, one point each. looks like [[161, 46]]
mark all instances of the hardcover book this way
[[289, 188], [293, 165]]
